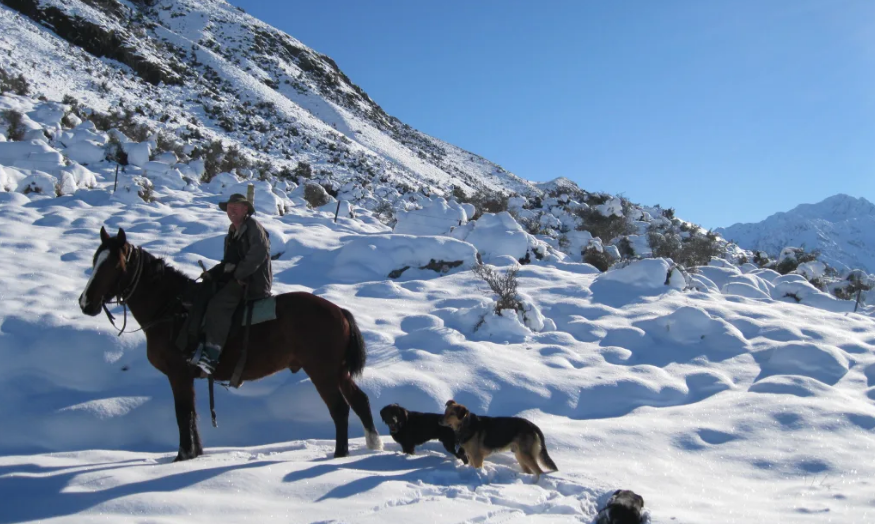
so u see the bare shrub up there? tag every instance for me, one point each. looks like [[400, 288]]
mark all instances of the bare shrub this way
[[664, 245], [219, 160], [531, 224], [625, 248], [315, 195], [234, 159], [115, 152], [15, 130], [303, 170], [484, 201], [32, 188], [147, 192], [694, 251], [856, 282], [385, 213], [502, 284], [212, 156], [599, 258], [698, 250], [606, 228], [167, 142], [761, 259], [15, 84], [123, 119]]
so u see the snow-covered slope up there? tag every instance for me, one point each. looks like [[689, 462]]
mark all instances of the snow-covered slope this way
[[841, 227], [726, 401], [204, 68]]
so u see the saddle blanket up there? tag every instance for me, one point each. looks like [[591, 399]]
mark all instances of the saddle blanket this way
[[262, 310]]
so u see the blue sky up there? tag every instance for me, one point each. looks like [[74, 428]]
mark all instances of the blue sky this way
[[726, 111]]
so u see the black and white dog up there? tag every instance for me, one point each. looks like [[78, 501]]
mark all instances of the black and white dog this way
[[624, 507], [411, 428]]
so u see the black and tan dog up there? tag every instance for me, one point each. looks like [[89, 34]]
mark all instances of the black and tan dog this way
[[411, 428], [483, 436]]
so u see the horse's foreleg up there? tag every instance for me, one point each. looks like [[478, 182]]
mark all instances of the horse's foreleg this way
[[339, 410], [359, 402], [186, 417]]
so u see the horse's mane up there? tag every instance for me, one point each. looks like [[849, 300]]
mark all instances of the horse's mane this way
[[159, 269]]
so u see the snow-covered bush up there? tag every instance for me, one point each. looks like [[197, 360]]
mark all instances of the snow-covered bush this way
[[598, 256], [484, 201], [791, 257], [695, 250], [855, 282], [604, 226]]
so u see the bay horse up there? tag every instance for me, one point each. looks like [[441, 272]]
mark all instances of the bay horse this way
[[309, 333]]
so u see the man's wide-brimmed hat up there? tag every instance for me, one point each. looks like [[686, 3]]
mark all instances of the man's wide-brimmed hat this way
[[235, 199]]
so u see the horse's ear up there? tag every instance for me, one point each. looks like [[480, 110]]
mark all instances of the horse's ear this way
[[104, 236], [120, 237]]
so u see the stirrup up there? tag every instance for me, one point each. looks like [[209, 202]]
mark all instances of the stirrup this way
[[197, 355], [206, 366]]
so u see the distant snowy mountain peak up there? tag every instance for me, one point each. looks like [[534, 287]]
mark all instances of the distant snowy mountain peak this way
[[835, 208], [841, 227]]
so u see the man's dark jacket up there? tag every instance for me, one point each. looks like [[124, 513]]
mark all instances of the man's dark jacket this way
[[249, 251]]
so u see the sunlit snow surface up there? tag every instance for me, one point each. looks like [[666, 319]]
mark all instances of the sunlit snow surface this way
[[733, 407]]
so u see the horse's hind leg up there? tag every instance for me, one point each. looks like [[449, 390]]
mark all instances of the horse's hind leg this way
[[339, 410], [362, 407], [182, 385]]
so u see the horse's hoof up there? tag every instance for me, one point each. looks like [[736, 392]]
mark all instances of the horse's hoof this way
[[182, 455]]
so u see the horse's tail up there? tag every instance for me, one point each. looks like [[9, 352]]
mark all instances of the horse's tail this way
[[355, 349]]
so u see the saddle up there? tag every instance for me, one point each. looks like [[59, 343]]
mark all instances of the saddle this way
[[194, 303]]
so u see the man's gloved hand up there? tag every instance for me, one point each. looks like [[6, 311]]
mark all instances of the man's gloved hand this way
[[206, 276]]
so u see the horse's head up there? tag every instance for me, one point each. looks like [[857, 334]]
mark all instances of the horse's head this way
[[109, 267]]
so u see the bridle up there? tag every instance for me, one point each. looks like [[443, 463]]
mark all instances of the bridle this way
[[122, 296]]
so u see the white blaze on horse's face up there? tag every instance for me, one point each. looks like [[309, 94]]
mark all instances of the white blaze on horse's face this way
[[101, 258]]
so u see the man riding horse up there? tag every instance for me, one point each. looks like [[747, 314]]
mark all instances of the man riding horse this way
[[243, 274]]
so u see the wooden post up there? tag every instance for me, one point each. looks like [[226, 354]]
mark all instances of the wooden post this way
[[115, 186], [859, 292], [250, 194], [337, 211]]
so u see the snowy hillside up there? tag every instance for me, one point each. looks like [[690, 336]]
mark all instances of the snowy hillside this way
[[841, 227], [720, 393], [204, 70]]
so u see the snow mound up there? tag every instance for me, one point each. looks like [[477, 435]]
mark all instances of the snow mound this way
[[435, 217], [821, 362], [376, 257], [648, 274]]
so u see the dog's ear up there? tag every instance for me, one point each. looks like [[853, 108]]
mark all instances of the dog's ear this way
[[462, 411], [404, 415], [450, 403]]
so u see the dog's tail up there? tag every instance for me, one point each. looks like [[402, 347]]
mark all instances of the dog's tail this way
[[545, 458]]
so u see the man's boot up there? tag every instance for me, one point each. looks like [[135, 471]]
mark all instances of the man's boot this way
[[209, 358]]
